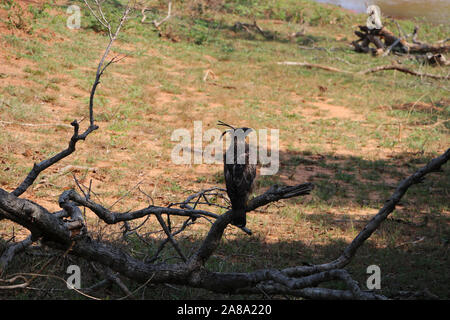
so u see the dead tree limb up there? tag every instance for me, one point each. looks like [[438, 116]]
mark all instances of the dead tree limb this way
[[39, 167], [414, 36], [35, 124], [433, 166], [405, 70], [274, 194], [211, 241], [384, 38], [364, 72], [313, 65], [170, 237], [248, 27], [112, 277]]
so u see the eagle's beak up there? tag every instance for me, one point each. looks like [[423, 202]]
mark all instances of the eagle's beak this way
[[223, 133]]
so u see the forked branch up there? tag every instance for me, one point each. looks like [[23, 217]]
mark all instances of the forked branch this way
[[156, 23], [169, 14], [43, 165]]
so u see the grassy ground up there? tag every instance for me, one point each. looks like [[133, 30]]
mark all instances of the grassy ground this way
[[355, 137]]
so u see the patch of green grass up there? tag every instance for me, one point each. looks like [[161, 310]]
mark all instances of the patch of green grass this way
[[170, 87], [345, 177]]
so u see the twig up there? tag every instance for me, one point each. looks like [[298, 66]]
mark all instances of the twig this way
[[126, 194], [12, 250], [112, 277], [163, 243], [313, 65], [170, 237], [35, 275], [405, 70], [73, 167], [410, 242], [27, 282], [139, 288], [36, 124], [207, 73], [433, 166], [39, 167], [169, 14], [414, 36], [388, 50]]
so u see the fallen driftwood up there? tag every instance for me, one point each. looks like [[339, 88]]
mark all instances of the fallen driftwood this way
[[385, 41], [371, 70]]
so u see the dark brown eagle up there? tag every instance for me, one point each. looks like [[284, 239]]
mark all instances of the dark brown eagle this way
[[239, 172]]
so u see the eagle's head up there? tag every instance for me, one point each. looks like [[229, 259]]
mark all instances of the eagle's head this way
[[236, 132]]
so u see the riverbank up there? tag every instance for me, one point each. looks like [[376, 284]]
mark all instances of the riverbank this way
[[431, 11]]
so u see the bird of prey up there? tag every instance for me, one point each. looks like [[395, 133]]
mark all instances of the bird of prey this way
[[239, 172]]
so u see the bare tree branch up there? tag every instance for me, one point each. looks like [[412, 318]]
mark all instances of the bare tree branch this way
[[170, 237], [169, 14], [112, 277], [433, 166], [296, 280], [406, 70], [364, 72], [11, 250], [39, 167]]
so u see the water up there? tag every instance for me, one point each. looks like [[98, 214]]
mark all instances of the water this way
[[435, 11]]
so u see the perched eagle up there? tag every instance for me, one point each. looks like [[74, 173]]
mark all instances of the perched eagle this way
[[239, 172]]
